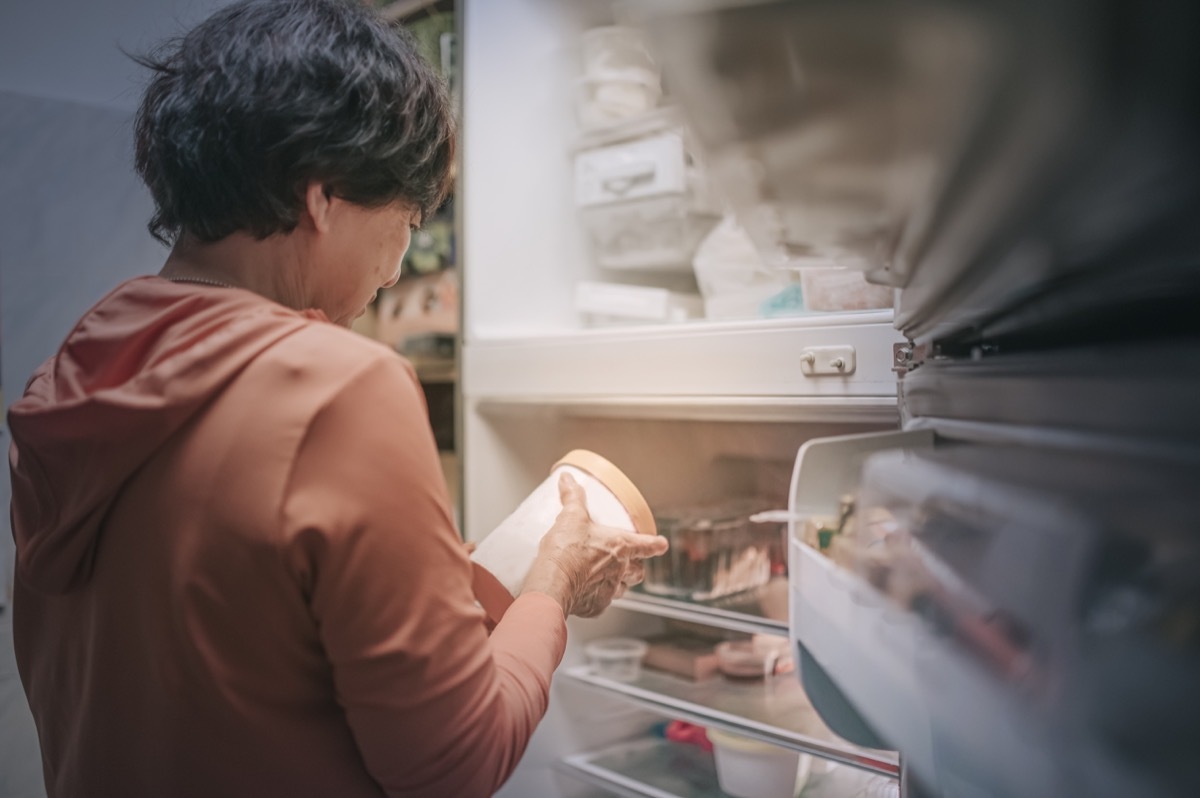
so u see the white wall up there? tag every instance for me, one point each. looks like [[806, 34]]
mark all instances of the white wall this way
[[518, 206]]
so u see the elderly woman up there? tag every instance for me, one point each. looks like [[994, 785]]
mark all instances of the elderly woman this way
[[238, 573]]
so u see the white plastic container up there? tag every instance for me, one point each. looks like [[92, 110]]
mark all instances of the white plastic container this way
[[612, 99], [616, 50], [613, 303], [503, 559], [645, 203], [645, 167], [616, 658], [656, 233], [747, 768]]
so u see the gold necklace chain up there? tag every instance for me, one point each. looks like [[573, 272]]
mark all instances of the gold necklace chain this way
[[201, 280]]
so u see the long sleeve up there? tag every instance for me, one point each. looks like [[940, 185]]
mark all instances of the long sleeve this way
[[436, 706]]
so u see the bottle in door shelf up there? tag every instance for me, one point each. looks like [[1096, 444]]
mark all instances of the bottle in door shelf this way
[[832, 536]]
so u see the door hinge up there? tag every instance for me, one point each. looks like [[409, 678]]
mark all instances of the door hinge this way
[[904, 357]]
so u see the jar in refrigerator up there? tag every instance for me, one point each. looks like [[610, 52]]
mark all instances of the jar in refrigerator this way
[[503, 559], [715, 551]]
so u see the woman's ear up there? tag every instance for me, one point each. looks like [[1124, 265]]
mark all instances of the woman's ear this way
[[318, 206]]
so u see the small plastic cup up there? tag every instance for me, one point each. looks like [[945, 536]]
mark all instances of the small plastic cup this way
[[748, 768], [616, 658]]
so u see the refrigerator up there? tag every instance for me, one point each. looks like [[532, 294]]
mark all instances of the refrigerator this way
[[1015, 608]]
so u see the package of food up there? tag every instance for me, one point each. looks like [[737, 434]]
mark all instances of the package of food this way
[[684, 655], [835, 288]]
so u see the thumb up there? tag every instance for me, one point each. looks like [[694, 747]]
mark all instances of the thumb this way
[[571, 493]]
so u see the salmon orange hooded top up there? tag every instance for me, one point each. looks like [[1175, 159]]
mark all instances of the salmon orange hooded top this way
[[237, 570]]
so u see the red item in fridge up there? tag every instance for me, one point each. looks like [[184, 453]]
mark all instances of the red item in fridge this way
[[679, 731]]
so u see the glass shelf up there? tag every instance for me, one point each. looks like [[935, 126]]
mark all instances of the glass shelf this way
[[775, 711], [656, 768], [743, 612]]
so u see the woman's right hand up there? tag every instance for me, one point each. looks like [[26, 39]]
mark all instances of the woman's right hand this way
[[584, 565]]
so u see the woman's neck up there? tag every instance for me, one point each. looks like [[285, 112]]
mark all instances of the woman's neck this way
[[272, 267]]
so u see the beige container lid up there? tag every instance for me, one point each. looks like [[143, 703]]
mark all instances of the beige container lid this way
[[495, 598], [615, 480]]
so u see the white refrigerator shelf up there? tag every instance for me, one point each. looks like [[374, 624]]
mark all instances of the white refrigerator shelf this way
[[775, 711], [656, 768], [689, 362], [741, 613]]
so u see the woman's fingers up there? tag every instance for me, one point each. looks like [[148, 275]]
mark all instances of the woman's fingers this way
[[635, 574], [642, 546]]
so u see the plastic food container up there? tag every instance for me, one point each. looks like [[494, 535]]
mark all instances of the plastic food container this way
[[609, 100], [837, 288], [660, 233], [749, 769], [645, 203], [613, 303], [616, 658], [715, 551], [645, 167], [502, 561], [616, 50]]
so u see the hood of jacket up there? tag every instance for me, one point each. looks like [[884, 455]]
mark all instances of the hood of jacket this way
[[136, 368]]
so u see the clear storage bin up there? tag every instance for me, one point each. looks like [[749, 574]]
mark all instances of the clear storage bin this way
[[645, 203], [715, 551], [660, 233]]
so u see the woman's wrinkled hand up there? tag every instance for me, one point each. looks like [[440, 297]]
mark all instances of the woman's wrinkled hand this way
[[584, 565]]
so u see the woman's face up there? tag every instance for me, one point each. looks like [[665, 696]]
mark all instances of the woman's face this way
[[360, 254]]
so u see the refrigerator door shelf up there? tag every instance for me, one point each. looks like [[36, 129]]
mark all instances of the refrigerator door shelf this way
[[1003, 615]]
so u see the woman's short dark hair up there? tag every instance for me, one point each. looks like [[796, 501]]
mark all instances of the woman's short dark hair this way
[[265, 96]]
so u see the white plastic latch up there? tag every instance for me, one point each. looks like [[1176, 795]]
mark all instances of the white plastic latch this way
[[819, 361]]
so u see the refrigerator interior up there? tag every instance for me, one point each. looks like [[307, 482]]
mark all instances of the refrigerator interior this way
[[1026, 173], [674, 462], [694, 411]]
